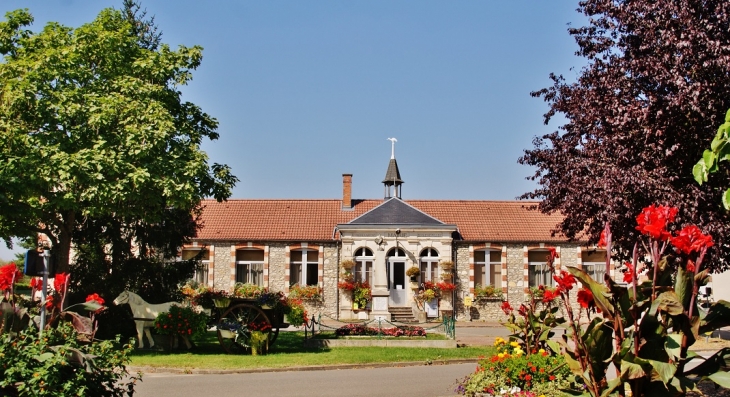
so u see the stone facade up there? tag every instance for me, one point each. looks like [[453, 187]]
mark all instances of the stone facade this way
[[336, 304]]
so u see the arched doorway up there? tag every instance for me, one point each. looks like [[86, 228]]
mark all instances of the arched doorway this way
[[397, 277]]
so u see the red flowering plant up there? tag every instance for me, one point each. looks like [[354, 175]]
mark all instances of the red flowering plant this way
[[306, 292], [645, 328], [533, 324], [514, 372], [182, 321]]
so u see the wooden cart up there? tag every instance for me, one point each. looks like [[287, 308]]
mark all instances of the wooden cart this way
[[243, 316]]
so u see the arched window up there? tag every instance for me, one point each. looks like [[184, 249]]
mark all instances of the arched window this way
[[201, 273], [250, 266], [303, 269], [363, 270], [538, 271], [594, 263], [429, 265], [488, 268]]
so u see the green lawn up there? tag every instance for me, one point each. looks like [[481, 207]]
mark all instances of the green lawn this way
[[289, 351]]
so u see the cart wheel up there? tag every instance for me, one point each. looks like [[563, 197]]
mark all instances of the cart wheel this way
[[234, 333]]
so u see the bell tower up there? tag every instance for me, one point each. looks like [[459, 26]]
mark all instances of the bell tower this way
[[392, 181]]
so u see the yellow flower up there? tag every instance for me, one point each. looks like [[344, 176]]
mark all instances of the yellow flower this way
[[541, 351], [514, 344], [499, 341], [500, 355]]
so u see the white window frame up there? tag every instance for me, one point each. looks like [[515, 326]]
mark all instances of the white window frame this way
[[249, 270], [430, 262], [487, 266], [363, 262], [304, 265], [200, 274]]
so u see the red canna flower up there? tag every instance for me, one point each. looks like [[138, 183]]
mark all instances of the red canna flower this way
[[96, 298], [565, 281], [60, 282], [653, 221], [629, 273], [690, 239], [690, 265], [552, 254], [585, 298], [49, 302], [506, 307], [36, 283], [549, 295], [602, 240], [9, 275]]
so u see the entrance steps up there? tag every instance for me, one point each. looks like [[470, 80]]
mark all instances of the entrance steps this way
[[402, 315]]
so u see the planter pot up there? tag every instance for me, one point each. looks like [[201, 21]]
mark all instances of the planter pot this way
[[221, 303], [226, 334]]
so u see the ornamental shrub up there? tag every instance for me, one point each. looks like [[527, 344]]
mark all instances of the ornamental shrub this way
[[181, 320], [296, 313], [59, 365]]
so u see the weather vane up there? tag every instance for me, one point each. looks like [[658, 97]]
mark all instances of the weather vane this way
[[392, 147]]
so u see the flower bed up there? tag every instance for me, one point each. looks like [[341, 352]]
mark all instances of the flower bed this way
[[513, 372], [362, 330]]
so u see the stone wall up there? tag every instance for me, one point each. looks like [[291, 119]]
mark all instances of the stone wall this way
[[222, 266], [515, 274], [462, 278], [277, 267], [329, 283]]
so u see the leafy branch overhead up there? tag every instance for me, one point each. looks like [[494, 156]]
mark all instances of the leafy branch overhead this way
[[711, 158], [93, 125]]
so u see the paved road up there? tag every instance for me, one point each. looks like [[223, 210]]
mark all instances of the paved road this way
[[421, 381]]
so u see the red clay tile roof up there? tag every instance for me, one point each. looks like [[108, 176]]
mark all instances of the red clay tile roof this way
[[315, 220]]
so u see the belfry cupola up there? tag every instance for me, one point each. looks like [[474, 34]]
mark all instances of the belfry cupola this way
[[392, 181]]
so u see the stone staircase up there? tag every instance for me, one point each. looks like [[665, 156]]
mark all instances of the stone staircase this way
[[402, 315]]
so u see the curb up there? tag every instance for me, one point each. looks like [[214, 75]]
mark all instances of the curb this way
[[200, 371]]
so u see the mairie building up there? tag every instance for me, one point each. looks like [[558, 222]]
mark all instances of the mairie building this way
[[284, 242]]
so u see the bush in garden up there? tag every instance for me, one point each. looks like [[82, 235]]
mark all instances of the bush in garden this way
[[66, 359], [513, 372], [182, 320], [58, 364], [362, 330], [296, 314]]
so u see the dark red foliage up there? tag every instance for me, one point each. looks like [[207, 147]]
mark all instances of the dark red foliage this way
[[638, 118]]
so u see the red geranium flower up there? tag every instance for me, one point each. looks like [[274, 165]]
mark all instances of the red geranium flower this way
[[690, 239], [653, 221], [585, 298], [9, 275], [60, 282], [565, 281], [96, 298]]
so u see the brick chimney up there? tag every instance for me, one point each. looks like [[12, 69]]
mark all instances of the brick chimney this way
[[346, 191]]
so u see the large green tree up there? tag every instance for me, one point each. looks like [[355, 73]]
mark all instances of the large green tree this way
[[638, 117], [93, 127]]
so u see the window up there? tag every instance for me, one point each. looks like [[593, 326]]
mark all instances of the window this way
[[201, 273], [594, 263], [429, 265], [303, 270], [363, 270], [488, 268], [538, 271], [250, 267]]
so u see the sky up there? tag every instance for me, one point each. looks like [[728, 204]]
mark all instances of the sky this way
[[305, 91]]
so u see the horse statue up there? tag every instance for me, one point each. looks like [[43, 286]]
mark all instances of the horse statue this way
[[144, 315]]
